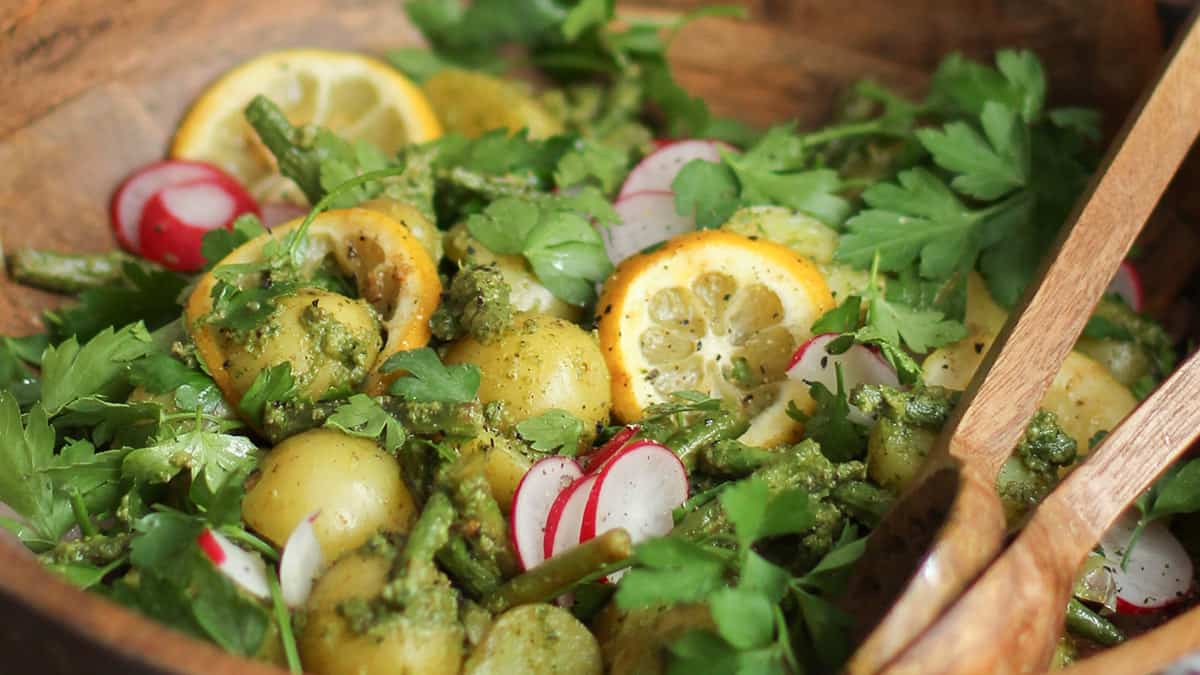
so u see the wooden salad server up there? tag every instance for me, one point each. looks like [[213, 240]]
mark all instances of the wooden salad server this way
[[1010, 619], [949, 525]]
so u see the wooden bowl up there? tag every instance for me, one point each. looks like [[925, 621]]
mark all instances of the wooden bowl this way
[[94, 89]]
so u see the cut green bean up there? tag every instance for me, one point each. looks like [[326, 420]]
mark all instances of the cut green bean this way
[[558, 574]]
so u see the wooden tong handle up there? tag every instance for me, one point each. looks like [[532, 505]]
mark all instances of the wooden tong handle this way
[[1010, 383]]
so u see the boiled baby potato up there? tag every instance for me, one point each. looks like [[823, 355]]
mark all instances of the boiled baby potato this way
[[896, 451], [635, 641], [537, 638], [1086, 398], [329, 645], [525, 292], [356, 487], [541, 363], [506, 463], [330, 340]]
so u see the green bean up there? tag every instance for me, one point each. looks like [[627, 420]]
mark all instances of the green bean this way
[[558, 574], [70, 272], [1087, 624]]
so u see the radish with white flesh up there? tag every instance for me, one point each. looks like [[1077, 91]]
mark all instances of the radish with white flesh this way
[[177, 217], [1158, 572], [1128, 284], [860, 364], [637, 490], [596, 459], [245, 569], [130, 199], [657, 170], [299, 562], [536, 493], [566, 517], [647, 218]]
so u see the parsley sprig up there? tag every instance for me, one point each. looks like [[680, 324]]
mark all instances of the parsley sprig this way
[[750, 598]]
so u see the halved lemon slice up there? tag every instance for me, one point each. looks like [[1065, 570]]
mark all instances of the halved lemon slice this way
[[355, 96], [471, 103], [714, 312], [392, 271]]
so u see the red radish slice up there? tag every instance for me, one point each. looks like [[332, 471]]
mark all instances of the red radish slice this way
[[130, 198], [245, 569], [1158, 572], [597, 458], [176, 219], [566, 517], [536, 493], [637, 490], [860, 365], [647, 218], [299, 562], [1128, 284], [279, 213], [657, 170]]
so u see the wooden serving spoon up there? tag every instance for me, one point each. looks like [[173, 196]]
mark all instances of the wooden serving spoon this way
[[947, 527], [1148, 653], [1010, 619]]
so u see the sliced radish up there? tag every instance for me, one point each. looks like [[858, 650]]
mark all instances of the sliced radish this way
[[130, 199], [1128, 284], [278, 213], [596, 459], [1158, 572], [177, 217], [566, 517], [637, 490], [657, 170], [536, 493], [647, 218], [245, 569], [860, 364], [300, 561]]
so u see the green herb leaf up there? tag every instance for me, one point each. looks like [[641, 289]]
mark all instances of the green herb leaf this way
[[670, 570], [841, 319], [271, 385], [591, 162], [427, 379], [150, 297], [180, 587], [362, 416], [744, 618], [829, 424], [220, 242], [988, 168], [205, 454], [71, 372], [27, 450], [706, 191], [552, 430]]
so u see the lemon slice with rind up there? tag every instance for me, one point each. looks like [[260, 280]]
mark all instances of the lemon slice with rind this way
[[713, 312], [355, 96]]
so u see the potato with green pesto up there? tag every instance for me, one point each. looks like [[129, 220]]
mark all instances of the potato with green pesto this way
[[536, 638], [525, 292], [541, 363], [635, 641], [356, 627], [330, 340], [356, 486], [506, 463]]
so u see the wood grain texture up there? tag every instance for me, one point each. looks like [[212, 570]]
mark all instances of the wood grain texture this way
[[1014, 375], [1010, 619], [1147, 653], [93, 89]]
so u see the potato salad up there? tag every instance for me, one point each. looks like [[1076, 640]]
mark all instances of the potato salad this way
[[411, 365]]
